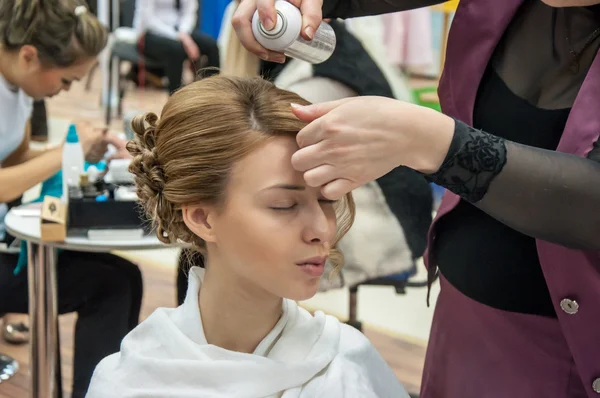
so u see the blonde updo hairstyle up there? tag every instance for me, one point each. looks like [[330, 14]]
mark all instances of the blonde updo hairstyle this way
[[186, 157], [64, 32]]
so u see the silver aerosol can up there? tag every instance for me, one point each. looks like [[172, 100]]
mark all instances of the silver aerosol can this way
[[285, 36]]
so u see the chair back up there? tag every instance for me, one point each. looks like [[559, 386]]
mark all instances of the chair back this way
[[127, 13], [8, 239]]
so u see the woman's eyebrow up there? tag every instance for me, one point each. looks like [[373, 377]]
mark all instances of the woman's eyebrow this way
[[290, 187]]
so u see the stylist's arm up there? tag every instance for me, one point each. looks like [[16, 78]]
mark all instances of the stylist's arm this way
[[544, 194]]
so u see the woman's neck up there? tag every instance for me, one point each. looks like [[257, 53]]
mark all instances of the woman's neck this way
[[235, 316]]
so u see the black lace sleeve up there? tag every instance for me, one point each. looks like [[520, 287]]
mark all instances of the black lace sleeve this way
[[473, 161], [360, 8], [544, 194]]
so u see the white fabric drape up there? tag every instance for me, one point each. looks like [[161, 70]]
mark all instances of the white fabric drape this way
[[304, 356]]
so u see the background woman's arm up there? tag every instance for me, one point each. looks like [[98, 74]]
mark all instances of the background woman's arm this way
[[15, 180], [189, 16], [24, 168], [149, 21], [23, 153]]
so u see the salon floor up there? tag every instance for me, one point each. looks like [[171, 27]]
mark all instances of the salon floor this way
[[398, 325]]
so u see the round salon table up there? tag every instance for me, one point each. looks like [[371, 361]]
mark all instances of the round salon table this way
[[43, 315]]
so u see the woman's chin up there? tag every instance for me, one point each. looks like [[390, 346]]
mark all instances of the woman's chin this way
[[304, 292]]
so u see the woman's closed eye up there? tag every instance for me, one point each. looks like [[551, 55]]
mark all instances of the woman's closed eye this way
[[284, 206], [292, 206]]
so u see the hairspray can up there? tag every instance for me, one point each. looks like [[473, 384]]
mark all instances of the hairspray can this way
[[285, 36]]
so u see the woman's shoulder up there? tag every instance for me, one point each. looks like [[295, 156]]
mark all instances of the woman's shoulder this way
[[363, 370], [350, 340], [355, 347], [356, 371]]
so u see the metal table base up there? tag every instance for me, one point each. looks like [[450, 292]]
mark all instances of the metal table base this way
[[43, 319]]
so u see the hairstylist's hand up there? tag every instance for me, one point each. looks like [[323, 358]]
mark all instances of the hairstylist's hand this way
[[350, 142], [189, 45], [242, 23], [92, 141]]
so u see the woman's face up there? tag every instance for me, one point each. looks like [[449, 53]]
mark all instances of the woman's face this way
[[571, 3], [42, 82], [272, 225]]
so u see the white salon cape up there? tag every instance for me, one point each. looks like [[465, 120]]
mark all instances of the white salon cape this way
[[304, 356]]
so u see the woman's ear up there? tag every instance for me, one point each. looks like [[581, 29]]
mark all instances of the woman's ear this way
[[198, 220], [28, 55]]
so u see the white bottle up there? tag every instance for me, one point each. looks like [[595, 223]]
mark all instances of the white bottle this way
[[72, 162], [285, 36]]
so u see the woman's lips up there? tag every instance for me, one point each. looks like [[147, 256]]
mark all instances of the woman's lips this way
[[314, 266], [313, 260]]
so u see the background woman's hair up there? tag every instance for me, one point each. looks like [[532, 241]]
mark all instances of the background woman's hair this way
[[186, 157], [51, 26], [239, 61]]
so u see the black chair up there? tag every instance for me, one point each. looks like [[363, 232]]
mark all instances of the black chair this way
[[8, 239], [398, 281]]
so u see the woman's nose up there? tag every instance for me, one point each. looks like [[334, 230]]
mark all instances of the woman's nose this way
[[318, 227]]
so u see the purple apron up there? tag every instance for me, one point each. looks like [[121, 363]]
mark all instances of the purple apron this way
[[476, 351]]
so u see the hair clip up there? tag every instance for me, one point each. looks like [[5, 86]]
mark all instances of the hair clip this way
[[80, 10]]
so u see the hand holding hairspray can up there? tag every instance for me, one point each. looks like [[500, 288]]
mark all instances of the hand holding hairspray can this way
[[285, 36]]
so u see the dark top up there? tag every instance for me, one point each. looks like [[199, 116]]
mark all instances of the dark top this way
[[527, 103], [482, 257]]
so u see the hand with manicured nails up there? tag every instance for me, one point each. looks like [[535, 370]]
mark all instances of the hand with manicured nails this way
[[242, 23], [350, 142], [92, 141], [120, 145]]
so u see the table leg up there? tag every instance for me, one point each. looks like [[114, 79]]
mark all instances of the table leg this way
[[43, 318], [58, 374]]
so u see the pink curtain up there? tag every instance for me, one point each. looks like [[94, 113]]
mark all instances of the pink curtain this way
[[408, 38]]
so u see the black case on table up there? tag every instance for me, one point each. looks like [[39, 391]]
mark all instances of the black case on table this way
[[84, 214]]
